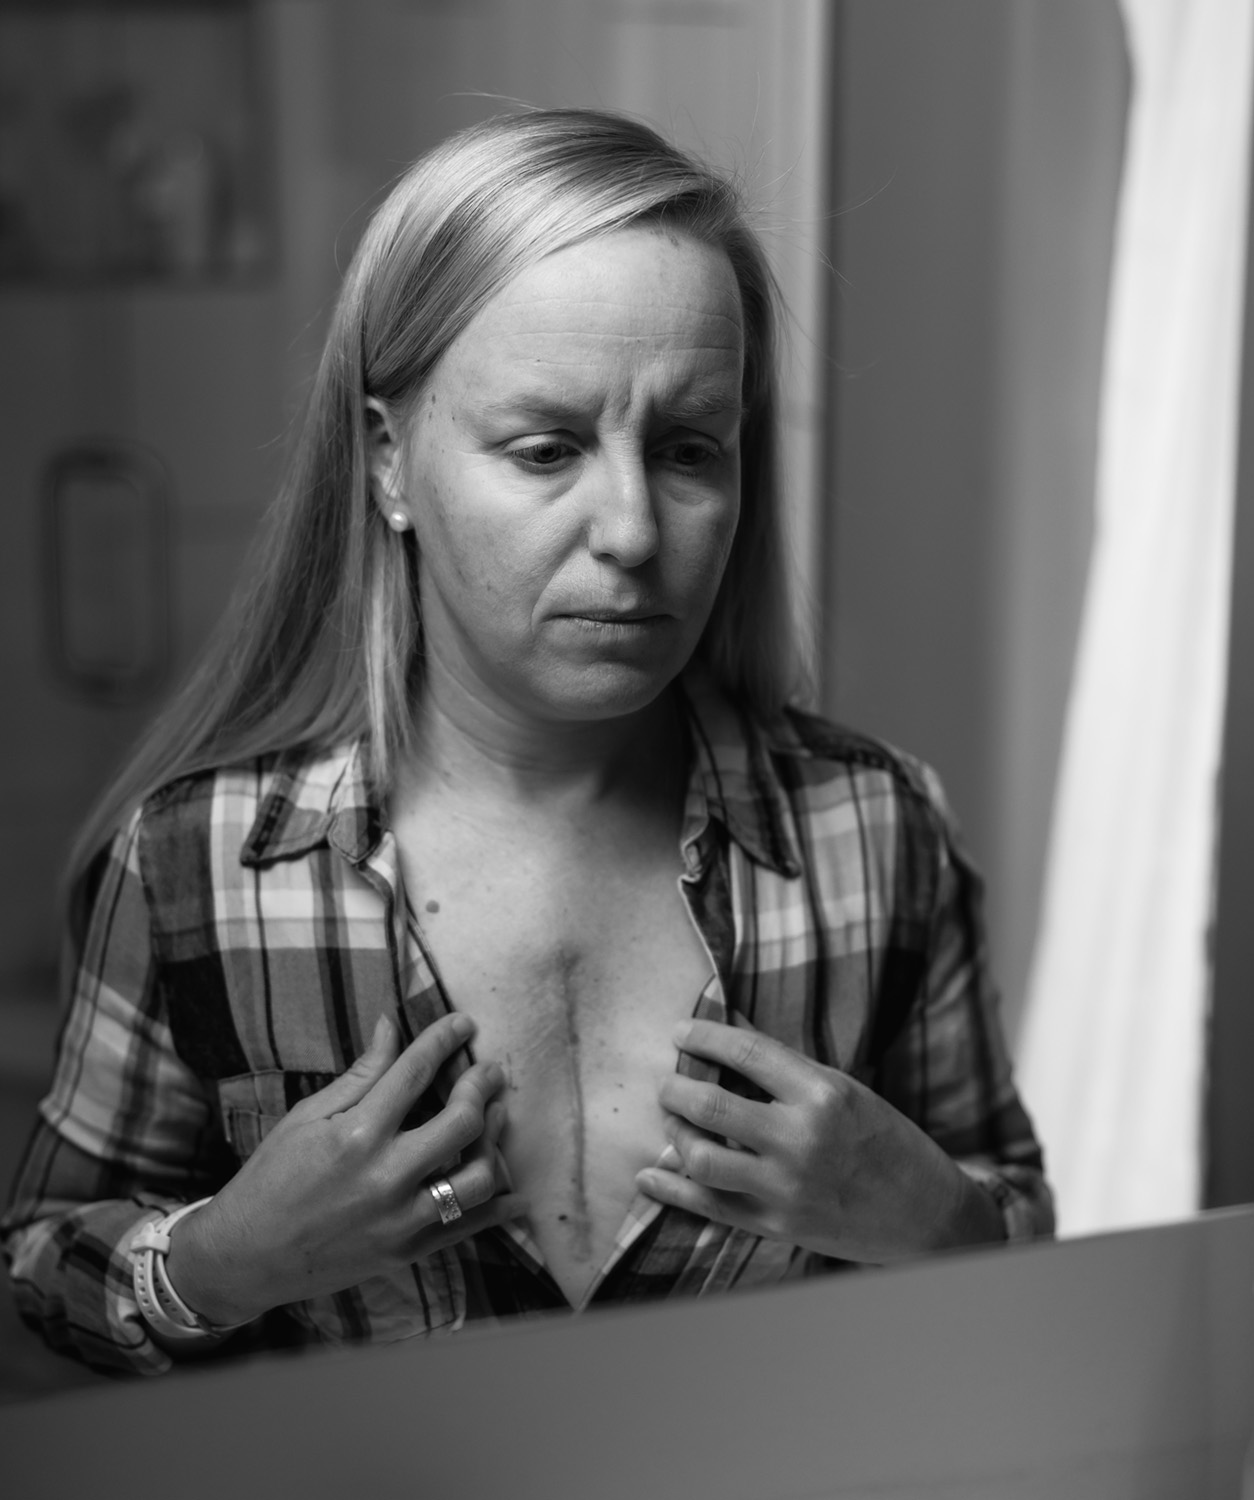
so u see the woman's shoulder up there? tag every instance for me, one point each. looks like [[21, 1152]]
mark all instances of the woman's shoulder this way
[[828, 740], [897, 798], [827, 772], [298, 767], [247, 803], [799, 790], [833, 750]]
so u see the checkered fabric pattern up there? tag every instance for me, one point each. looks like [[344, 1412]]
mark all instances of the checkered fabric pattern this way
[[248, 926]]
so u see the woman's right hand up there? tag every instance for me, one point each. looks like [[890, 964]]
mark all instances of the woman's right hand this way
[[338, 1191]]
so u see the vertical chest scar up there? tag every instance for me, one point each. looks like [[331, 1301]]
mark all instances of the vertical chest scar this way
[[546, 1059], [578, 1223]]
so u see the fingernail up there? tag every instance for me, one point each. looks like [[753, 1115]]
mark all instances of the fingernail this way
[[462, 1027], [670, 1160], [681, 1033], [504, 1176], [381, 1028]]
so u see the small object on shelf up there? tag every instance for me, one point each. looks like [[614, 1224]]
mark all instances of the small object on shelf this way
[[132, 146]]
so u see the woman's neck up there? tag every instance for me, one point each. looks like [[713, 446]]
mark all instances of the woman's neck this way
[[464, 745]]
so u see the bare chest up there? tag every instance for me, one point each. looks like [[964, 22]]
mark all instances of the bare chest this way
[[576, 973]]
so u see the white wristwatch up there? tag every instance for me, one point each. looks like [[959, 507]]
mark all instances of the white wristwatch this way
[[163, 1309]]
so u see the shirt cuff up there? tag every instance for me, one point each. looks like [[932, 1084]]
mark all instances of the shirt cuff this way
[[1021, 1196]]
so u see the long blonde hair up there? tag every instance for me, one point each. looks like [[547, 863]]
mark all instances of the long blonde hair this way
[[323, 643]]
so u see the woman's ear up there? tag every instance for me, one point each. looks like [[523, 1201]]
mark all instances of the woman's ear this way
[[383, 450]]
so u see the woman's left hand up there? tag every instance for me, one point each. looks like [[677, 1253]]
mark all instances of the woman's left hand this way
[[825, 1163]]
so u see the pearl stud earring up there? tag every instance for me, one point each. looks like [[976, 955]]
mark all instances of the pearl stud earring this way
[[398, 521]]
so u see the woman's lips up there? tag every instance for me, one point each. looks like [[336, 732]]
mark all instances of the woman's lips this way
[[613, 616], [609, 625]]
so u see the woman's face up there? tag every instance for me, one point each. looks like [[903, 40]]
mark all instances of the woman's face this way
[[572, 473]]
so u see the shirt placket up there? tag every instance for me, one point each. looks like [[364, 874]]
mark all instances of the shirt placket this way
[[709, 911]]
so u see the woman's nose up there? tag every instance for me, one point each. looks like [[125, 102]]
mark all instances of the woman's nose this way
[[623, 525]]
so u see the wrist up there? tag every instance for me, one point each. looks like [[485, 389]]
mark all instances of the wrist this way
[[175, 1326], [200, 1275], [974, 1217]]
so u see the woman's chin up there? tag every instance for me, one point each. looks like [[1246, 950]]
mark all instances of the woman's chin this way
[[600, 691]]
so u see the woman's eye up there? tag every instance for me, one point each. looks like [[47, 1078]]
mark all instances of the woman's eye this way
[[690, 455], [545, 455]]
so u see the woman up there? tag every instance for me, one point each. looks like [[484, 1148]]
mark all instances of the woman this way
[[481, 933]]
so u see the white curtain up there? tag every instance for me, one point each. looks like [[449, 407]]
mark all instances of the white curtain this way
[[1112, 1050]]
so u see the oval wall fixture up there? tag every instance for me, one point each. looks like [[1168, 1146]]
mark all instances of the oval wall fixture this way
[[106, 570]]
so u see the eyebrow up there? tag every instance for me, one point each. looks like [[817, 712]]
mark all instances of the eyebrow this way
[[704, 404], [691, 404]]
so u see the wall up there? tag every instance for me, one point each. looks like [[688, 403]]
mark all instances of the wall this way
[[979, 150], [185, 366]]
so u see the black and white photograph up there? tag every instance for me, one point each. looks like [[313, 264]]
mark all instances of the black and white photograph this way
[[627, 661]]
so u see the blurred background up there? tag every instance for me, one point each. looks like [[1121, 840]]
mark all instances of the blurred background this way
[[181, 184]]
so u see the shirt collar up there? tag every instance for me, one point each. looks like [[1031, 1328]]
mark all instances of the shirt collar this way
[[735, 776], [328, 798], [313, 800]]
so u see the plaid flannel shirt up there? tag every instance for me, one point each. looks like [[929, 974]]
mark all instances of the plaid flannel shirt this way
[[248, 926]]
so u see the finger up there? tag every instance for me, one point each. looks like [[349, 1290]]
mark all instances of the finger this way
[[783, 1073], [459, 1125], [504, 1177], [710, 1164], [694, 1198], [719, 1111], [486, 1144], [478, 1085], [410, 1076], [670, 1160], [499, 1210], [473, 1184], [494, 1123], [352, 1086]]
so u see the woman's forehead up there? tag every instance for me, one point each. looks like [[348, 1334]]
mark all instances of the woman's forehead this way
[[639, 305]]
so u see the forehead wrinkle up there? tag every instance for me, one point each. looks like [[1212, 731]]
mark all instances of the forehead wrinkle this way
[[557, 404], [693, 330], [529, 348], [533, 301], [572, 342], [564, 382]]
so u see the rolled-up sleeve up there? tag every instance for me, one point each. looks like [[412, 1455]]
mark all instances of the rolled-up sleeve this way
[[126, 1132]]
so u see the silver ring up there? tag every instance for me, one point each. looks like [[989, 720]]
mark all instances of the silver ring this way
[[445, 1199]]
